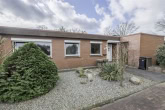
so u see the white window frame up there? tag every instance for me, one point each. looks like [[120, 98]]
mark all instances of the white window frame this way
[[33, 40], [96, 42], [72, 41]]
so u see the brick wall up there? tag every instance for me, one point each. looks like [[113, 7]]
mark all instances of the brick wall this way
[[85, 58], [133, 49], [149, 45], [58, 56], [142, 45]]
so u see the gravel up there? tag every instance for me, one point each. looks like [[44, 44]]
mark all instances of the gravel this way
[[71, 94]]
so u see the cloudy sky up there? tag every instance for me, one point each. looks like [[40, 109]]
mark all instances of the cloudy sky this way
[[92, 16]]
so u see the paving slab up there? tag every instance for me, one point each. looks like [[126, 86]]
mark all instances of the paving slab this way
[[149, 99], [155, 76]]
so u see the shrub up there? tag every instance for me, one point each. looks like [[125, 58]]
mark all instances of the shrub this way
[[110, 72], [27, 73], [160, 56]]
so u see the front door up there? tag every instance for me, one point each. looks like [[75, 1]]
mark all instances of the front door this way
[[109, 52]]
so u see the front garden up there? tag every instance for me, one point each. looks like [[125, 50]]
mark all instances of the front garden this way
[[29, 81], [70, 94]]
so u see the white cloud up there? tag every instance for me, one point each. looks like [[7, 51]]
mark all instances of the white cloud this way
[[52, 13], [9, 19], [99, 10], [143, 12], [104, 23], [57, 13], [116, 9], [106, 20]]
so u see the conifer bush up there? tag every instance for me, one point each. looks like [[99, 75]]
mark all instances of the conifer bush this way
[[26, 74]]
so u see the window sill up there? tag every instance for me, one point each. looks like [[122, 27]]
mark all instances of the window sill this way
[[96, 55], [72, 56]]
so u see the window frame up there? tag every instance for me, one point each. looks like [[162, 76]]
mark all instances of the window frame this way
[[24, 40], [74, 42], [96, 42]]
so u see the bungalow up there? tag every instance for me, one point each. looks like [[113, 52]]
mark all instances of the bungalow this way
[[71, 50]]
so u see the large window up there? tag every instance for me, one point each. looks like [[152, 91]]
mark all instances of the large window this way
[[96, 48], [44, 45], [72, 48]]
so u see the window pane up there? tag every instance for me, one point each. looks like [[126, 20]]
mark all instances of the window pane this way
[[95, 48], [19, 44], [45, 47], [71, 48]]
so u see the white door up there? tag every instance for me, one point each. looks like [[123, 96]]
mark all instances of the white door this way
[[109, 52]]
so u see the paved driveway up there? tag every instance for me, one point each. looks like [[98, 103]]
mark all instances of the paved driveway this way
[[149, 99], [158, 77]]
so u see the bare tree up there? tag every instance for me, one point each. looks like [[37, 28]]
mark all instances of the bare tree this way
[[62, 29], [108, 31], [42, 27], [123, 58], [74, 30], [122, 29], [160, 24], [121, 54]]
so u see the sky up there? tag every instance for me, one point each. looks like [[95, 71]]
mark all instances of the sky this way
[[92, 16]]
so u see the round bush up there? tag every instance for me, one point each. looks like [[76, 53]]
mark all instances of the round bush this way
[[160, 56], [27, 73]]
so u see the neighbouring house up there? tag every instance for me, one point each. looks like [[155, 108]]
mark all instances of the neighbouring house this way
[[72, 50], [142, 45]]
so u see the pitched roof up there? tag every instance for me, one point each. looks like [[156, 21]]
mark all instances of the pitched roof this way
[[53, 34]]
